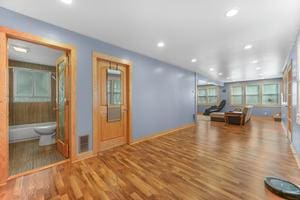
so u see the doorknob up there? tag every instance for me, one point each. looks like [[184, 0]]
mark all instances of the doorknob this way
[[55, 108]]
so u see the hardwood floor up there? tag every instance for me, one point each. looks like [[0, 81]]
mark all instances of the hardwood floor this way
[[24, 156], [212, 161]]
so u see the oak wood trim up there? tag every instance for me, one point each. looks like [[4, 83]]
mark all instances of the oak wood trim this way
[[4, 103], [98, 55], [38, 169], [295, 155], [71, 51], [162, 133], [85, 155]]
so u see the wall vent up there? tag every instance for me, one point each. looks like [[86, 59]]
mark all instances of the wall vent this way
[[83, 143]]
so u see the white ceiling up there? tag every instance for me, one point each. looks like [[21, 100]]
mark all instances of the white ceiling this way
[[190, 29], [37, 54]]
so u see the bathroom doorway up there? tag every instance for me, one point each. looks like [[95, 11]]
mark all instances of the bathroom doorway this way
[[71, 54], [38, 106]]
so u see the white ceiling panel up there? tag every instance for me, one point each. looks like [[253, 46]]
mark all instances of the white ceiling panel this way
[[190, 29]]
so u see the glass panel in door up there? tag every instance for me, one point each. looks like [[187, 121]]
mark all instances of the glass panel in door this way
[[61, 100]]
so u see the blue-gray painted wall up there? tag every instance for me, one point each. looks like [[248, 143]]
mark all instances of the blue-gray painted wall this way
[[163, 95], [257, 111], [293, 59]]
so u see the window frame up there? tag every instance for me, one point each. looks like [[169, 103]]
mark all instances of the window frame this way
[[47, 98], [206, 88], [260, 84], [259, 95], [242, 95], [278, 94]]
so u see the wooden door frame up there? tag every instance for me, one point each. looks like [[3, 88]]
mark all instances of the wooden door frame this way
[[289, 96], [128, 64], [5, 34]]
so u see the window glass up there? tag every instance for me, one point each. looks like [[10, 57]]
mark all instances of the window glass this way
[[31, 85], [270, 94], [42, 84], [202, 92], [207, 95], [236, 95], [23, 82], [237, 90], [212, 92], [252, 94]]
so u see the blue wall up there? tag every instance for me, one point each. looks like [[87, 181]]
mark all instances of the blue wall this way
[[258, 111], [293, 59], [162, 93]]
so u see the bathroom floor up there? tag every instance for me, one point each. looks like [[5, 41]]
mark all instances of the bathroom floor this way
[[24, 156]]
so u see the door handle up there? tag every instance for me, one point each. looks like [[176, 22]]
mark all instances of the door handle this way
[[55, 108]]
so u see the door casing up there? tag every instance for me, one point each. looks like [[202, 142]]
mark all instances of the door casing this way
[[5, 34], [128, 64], [289, 100]]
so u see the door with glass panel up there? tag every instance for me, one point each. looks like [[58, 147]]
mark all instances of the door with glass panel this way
[[289, 100], [112, 104], [62, 107]]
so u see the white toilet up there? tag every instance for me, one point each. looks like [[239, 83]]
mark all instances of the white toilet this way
[[47, 134]]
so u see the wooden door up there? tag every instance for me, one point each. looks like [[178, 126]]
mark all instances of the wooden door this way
[[62, 105], [112, 104], [290, 103]]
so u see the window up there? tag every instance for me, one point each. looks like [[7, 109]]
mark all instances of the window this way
[[212, 96], [252, 94], [270, 94], [208, 95], [237, 95], [256, 93], [202, 99], [31, 85], [114, 87]]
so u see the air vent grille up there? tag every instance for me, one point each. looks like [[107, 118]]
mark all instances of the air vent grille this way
[[83, 143]]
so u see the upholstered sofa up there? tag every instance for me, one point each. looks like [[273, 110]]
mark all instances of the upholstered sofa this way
[[246, 112], [246, 116]]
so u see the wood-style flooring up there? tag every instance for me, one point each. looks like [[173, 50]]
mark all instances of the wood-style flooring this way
[[212, 161], [25, 156]]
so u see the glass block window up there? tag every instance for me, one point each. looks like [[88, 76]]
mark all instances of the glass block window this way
[[252, 94], [31, 85]]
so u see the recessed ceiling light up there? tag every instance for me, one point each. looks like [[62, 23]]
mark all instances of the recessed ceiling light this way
[[261, 74], [211, 69], [232, 12], [161, 44], [220, 73], [194, 60], [67, 1], [258, 68], [248, 46], [20, 49], [254, 61], [227, 78]]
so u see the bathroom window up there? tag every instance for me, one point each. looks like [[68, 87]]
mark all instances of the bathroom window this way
[[31, 85]]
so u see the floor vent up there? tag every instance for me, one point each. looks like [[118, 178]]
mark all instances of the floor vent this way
[[83, 143]]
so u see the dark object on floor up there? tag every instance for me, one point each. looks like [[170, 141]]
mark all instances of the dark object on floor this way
[[215, 108], [283, 188]]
